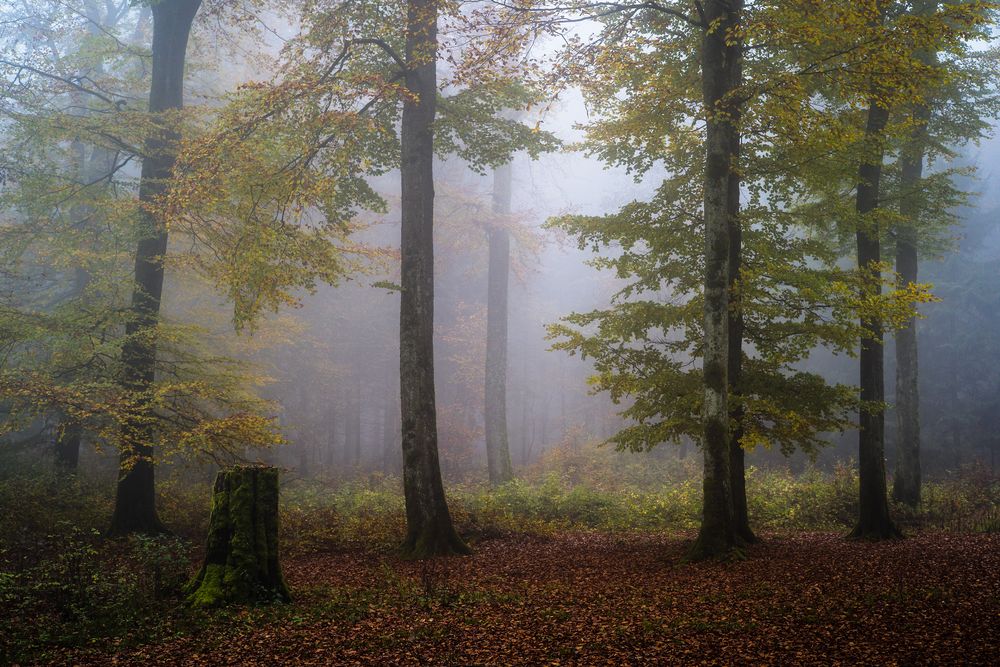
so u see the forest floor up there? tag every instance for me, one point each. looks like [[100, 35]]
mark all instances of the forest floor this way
[[589, 598]]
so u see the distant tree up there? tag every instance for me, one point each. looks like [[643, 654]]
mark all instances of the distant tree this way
[[497, 442], [873, 62], [952, 111]]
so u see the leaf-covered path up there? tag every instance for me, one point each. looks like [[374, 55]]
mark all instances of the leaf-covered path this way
[[600, 599]]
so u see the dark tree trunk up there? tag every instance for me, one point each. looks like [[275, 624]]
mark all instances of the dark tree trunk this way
[[429, 527], [906, 481], [497, 445], [721, 67], [67, 449], [737, 455], [135, 501], [241, 555], [873, 518]]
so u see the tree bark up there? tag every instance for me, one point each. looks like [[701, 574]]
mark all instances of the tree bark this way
[[737, 455], [429, 527], [67, 447], [241, 556], [906, 481], [873, 515], [720, 78], [135, 502], [497, 443], [352, 425]]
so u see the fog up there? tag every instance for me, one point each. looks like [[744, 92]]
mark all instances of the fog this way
[[329, 365]]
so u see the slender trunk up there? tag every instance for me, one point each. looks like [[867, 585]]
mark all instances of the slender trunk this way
[[737, 455], [353, 424], [135, 501], [429, 528], [497, 445], [873, 518], [390, 438], [332, 420], [721, 56], [906, 481]]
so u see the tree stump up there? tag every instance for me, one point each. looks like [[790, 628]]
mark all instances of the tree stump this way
[[241, 557]]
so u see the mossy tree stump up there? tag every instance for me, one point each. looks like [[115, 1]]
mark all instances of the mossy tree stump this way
[[241, 558]]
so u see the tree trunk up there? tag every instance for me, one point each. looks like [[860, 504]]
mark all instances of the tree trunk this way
[[497, 445], [241, 554], [352, 426], [720, 78], [906, 481], [67, 449], [873, 517], [135, 503], [737, 455], [429, 528]]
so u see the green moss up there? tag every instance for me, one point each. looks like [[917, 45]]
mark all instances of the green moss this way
[[211, 590], [241, 557]]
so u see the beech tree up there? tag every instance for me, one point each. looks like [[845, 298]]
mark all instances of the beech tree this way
[[872, 61], [495, 397], [135, 500]]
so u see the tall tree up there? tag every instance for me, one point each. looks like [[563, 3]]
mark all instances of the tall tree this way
[[430, 530], [135, 500], [873, 518], [497, 443], [94, 164], [721, 55], [906, 480]]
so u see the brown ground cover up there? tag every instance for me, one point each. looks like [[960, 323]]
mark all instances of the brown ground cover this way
[[605, 599]]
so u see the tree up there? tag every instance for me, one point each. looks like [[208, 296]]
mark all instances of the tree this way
[[497, 445], [873, 518], [312, 137], [429, 527], [951, 111], [872, 60], [721, 72], [135, 499]]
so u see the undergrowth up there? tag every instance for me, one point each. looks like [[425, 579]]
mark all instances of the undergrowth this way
[[63, 584]]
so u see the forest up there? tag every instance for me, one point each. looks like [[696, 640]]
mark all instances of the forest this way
[[499, 332]]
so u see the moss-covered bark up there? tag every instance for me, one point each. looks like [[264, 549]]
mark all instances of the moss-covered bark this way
[[241, 555]]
